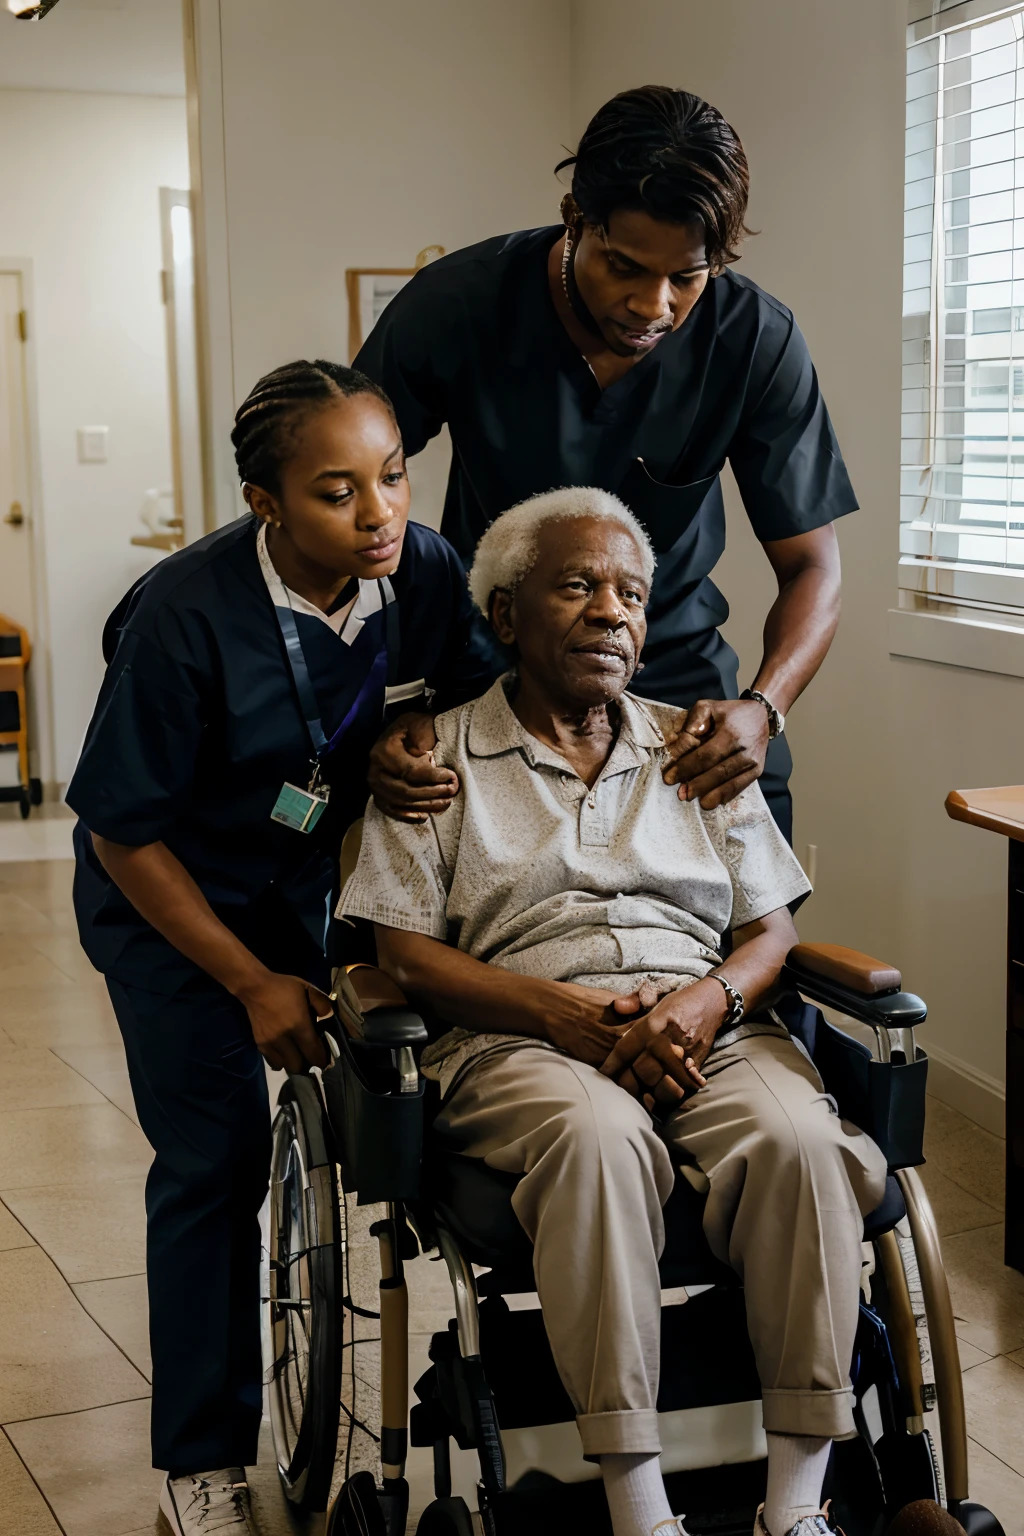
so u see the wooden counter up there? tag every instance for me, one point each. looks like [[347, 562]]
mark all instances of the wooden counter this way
[[1001, 810]]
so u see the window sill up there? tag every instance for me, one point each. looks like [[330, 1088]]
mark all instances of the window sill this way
[[986, 643]]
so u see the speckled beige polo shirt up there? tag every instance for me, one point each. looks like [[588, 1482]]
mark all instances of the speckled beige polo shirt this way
[[532, 871]]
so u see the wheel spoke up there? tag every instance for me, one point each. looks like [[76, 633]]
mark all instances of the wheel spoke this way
[[305, 1354]]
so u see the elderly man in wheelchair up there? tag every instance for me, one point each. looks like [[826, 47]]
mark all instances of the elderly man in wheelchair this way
[[600, 960]]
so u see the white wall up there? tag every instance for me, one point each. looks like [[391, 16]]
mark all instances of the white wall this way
[[355, 135], [816, 93], [79, 196], [131, 46]]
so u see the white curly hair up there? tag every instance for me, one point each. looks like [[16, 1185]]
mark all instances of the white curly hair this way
[[508, 549]]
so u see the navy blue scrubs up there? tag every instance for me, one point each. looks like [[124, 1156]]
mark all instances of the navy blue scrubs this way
[[474, 341], [196, 729]]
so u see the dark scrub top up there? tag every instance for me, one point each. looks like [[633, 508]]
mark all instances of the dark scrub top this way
[[474, 340], [197, 727]]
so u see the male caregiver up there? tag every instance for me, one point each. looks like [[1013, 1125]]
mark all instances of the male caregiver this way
[[621, 350]]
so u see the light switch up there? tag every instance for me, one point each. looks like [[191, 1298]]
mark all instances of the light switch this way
[[92, 445]]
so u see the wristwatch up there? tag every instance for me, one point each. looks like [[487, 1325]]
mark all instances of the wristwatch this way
[[776, 721], [735, 996]]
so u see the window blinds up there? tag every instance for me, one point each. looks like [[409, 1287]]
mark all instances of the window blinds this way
[[962, 490]]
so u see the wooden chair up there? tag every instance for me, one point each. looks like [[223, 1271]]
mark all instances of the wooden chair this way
[[15, 654]]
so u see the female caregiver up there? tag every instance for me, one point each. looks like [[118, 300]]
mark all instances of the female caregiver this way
[[226, 754], [621, 351]]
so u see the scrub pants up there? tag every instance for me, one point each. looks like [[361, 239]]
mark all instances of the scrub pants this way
[[201, 1094]]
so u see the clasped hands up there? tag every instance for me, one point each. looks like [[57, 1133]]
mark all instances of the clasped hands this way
[[653, 1042]]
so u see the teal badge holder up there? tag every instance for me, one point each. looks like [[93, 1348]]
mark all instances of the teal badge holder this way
[[299, 809]]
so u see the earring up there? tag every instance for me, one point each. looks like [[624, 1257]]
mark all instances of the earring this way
[[572, 218], [570, 210]]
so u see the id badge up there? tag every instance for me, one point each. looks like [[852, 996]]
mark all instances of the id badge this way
[[299, 809]]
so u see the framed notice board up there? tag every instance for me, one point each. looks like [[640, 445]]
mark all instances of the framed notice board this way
[[370, 291]]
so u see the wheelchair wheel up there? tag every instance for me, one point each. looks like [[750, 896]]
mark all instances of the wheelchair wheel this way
[[446, 1517], [303, 1371]]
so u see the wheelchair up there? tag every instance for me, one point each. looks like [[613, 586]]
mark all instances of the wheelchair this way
[[491, 1407]]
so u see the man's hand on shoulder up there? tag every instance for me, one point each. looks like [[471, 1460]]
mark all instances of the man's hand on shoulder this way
[[404, 780], [718, 749]]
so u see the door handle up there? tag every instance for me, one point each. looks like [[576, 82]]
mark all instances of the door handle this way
[[16, 515]]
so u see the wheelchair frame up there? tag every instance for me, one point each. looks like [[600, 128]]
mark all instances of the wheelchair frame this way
[[375, 1020]]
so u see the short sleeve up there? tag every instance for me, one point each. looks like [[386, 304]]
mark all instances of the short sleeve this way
[[400, 879], [763, 869], [785, 455], [402, 354], [137, 766]]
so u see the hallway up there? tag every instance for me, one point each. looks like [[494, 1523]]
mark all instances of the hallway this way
[[74, 1360]]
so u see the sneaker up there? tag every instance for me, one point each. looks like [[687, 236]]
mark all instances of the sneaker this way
[[673, 1527], [207, 1502], [810, 1525]]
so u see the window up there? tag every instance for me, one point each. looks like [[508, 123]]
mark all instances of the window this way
[[962, 491]]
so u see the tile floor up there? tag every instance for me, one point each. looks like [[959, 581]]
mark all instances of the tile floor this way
[[74, 1359]]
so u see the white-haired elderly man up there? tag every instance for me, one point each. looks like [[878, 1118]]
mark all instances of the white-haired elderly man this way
[[567, 889]]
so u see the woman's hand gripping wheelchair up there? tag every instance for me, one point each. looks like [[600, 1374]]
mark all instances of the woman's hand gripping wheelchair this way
[[492, 1387]]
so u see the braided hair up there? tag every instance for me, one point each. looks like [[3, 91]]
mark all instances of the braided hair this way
[[671, 154], [268, 419]]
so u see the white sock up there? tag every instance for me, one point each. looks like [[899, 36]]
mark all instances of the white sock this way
[[636, 1495], [796, 1471]]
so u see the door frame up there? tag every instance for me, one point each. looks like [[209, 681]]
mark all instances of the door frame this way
[[204, 95], [41, 666], [189, 497]]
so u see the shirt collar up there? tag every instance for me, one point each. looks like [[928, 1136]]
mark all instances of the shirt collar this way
[[494, 729], [346, 623]]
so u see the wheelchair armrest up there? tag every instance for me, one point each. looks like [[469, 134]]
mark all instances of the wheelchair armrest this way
[[848, 967], [882, 1092], [855, 984], [374, 1010]]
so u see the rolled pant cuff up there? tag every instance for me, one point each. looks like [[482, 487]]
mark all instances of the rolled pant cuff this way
[[826, 1415], [628, 1431]]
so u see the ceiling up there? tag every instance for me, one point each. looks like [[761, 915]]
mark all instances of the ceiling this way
[[132, 46]]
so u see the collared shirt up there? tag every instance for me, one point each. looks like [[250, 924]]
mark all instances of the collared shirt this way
[[474, 341], [198, 726], [354, 592], [533, 871]]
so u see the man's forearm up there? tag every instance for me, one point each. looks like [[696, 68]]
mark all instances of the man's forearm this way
[[462, 990], [802, 621], [756, 962]]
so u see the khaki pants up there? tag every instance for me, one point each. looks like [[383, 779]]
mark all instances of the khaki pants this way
[[789, 1185]]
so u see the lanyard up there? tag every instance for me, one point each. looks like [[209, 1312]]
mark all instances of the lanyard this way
[[381, 674]]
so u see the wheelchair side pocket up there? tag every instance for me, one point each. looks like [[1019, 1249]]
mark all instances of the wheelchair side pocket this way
[[885, 1099], [379, 1133]]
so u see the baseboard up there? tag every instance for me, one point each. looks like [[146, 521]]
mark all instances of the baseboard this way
[[976, 1094]]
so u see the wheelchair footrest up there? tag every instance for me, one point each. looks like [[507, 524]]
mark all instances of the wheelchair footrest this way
[[456, 1400], [706, 1360]]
